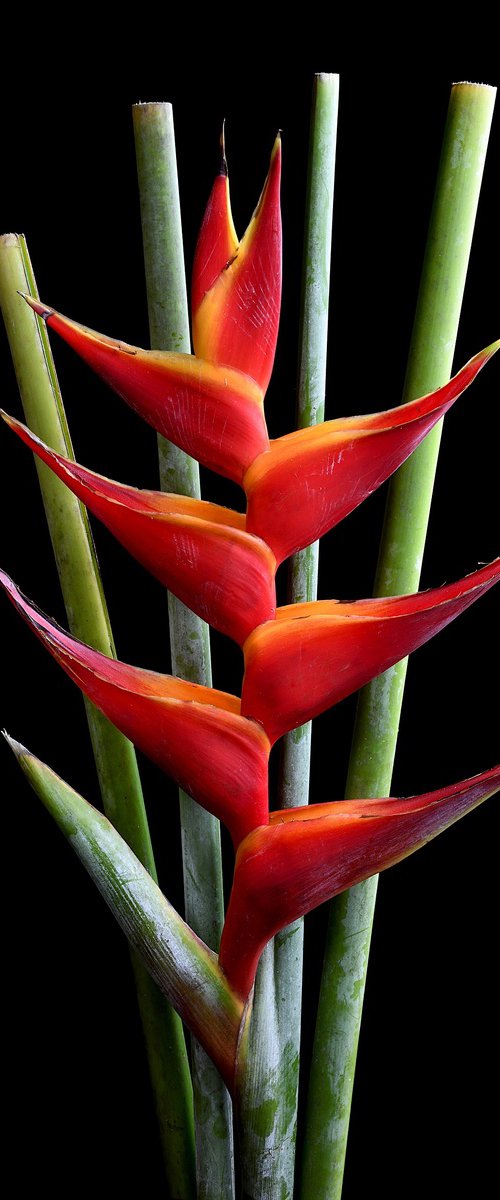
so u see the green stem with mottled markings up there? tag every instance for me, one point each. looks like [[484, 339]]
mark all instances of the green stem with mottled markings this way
[[401, 551], [189, 636]]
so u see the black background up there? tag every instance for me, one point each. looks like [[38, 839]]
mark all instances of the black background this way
[[76, 1082]]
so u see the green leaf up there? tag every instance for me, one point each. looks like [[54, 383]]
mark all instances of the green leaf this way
[[183, 967]]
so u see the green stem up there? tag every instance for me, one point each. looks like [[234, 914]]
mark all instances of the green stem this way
[[401, 552], [271, 1085], [88, 619], [189, 636]]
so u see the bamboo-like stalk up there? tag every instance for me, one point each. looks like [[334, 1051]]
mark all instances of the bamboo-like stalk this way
[[114, 754], [398, 571], [189, 636], [271, 1089]]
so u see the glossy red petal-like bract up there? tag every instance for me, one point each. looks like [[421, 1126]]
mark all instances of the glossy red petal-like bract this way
[[306, 856], [313, 655], [217, 240], [236, 321], [322, 473], [200, 551], [212, 412], [196, 734]]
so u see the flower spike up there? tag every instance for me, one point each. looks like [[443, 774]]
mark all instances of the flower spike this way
[[196, 734], [213, 413], [200, 551], [322, 473], [307, 855], [236, 316], [313, 655]]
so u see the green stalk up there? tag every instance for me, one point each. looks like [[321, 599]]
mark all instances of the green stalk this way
[[88, 619], [189, 636], [400, 559], [271, 1086]]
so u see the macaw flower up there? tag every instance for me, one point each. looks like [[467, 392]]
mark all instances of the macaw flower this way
[[313, 655], [236, 291], [216, 414], [307, 855], [194, 733], [200, 551]]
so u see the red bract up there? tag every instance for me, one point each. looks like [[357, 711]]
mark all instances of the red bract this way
[[237, 287], [313, 655], [306, 856], [217, 240], [196, 734], [322, 473], [200, 551], [213, 413], [297, 665]]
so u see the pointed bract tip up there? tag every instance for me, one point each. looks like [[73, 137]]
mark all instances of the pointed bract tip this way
[[11, 421], [40, 309], [17, 748], [222, 142]]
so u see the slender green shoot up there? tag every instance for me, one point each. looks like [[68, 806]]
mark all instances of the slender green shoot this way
[[270, 1101], [88, 619], [401, 552], [189, 636]]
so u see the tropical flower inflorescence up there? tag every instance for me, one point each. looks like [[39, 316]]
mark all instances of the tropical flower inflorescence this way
[[299, 659]]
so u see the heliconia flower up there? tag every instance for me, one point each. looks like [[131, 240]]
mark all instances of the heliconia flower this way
[[216, 414], [307, 855], [212, 412], [236, 292], [313, 655], [200, 551], [322, 473], [196, 734]]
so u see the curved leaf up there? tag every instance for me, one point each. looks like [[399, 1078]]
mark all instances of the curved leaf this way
[[183, 967]]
